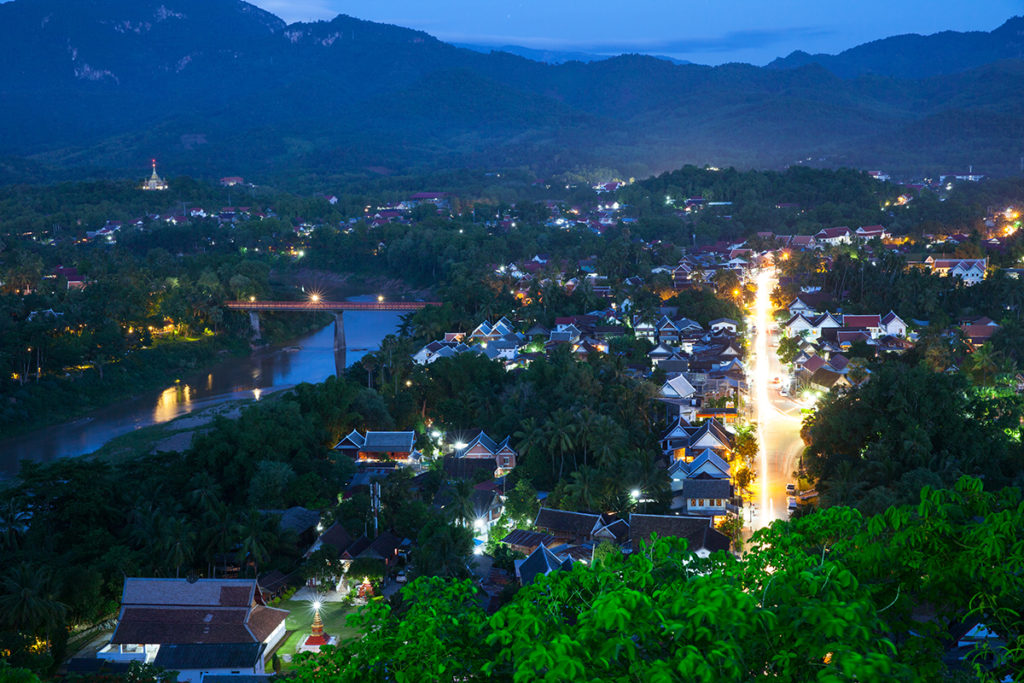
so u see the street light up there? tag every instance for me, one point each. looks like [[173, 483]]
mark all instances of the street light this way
[[380, 298], [314, 298]]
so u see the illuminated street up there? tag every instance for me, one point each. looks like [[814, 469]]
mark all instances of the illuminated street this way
[[778, 419]]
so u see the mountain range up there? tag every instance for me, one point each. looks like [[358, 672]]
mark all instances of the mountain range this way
[[221, 87]]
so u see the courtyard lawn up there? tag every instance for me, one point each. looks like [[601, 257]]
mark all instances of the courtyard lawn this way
[[300, 622]]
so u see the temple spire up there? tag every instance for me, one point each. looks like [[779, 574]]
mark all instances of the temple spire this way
[[155, 182]]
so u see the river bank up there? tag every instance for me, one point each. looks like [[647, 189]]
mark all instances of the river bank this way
[[55, 400], [232, 379]]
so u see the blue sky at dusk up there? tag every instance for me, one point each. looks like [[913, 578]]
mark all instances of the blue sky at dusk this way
[[703, 31]]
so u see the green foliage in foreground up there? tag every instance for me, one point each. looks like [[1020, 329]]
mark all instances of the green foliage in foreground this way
[[829, 597]]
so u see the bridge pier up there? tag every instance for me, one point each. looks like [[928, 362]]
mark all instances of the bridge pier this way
[[254, 320], [339, 330]]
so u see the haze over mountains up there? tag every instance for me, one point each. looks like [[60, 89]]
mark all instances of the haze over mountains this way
[[221, 87]]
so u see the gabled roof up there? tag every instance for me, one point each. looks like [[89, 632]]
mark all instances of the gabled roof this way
[[832, 233], [540, 562], [825, 377], [389, 442], [527, 539], [861, 321], [891, 317], [708, 456], [618, 529], [179, 592], [352, 440], [850, 336], [696, 530], [677, 387], [838, 362], [707, 488], [336, 537], [814, 363], [573, 523], [161, 611], [679, 429], [713, 428]]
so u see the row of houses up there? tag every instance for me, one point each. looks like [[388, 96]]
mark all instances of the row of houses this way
[[559, 538]]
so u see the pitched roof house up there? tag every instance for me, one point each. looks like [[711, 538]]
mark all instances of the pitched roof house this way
[[570, 527], [702, 538], [159, 612], [378, 446], [483, 446], [541, 562]]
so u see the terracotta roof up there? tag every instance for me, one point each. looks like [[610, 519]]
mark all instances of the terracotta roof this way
[[159, 625], [980, 332], [861, 321], [814, 363]]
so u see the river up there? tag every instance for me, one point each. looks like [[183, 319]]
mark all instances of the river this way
[[308, 359]]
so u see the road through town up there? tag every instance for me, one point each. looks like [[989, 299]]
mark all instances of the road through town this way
[[778, 419]]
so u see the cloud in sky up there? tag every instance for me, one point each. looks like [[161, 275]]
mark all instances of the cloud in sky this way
[[705, 31], [729, 42]]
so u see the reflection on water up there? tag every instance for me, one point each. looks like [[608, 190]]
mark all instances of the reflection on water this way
[[173, 401], [309, 359]]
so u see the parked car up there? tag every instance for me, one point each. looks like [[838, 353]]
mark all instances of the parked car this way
[[791, 489], [784, 391], [791, 503], [401, 578]]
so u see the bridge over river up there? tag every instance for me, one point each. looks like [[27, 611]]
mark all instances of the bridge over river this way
[[315, 304]]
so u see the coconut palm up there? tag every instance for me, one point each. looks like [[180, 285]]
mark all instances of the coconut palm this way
[[584, 487], [27, 603], [217, 536], [460, 508], [257, 535], [177, 542], [13, 523], [204, 491]]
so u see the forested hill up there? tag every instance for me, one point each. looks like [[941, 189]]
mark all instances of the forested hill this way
[[916, 56], [220, 87]]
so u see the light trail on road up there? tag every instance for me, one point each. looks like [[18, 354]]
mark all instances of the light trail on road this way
[[762, 319]]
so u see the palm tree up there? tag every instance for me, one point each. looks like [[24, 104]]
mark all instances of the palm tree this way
[[530, 437], [369, 362], [178, 542], [584, 488], [561, 432], [13, 523], [984, 364], [257, 534], [27, 603], [218, 535], [586, 424], [205, 491], [460, 507]]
